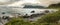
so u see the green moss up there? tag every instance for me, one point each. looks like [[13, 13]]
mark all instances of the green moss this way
[[17, 21], [49, 19]]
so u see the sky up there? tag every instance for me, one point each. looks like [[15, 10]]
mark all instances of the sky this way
[[45, 3]]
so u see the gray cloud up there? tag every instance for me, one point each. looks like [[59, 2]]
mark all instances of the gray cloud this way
[[45, 3], [4, 2]]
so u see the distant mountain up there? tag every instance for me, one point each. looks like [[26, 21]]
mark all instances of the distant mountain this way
[[33, 6]]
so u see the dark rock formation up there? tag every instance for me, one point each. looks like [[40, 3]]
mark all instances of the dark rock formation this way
[[33, 11]]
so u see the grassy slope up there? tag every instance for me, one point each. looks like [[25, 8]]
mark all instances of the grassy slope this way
[[49, 19]]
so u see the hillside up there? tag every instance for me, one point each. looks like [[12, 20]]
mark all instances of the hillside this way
[[49, 19], [54, 6]]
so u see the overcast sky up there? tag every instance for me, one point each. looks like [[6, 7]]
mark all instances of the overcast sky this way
[[20, 2]]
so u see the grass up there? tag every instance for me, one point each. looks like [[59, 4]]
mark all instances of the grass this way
[[49, 19]]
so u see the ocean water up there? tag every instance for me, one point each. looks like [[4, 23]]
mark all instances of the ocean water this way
[[22, 11]]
